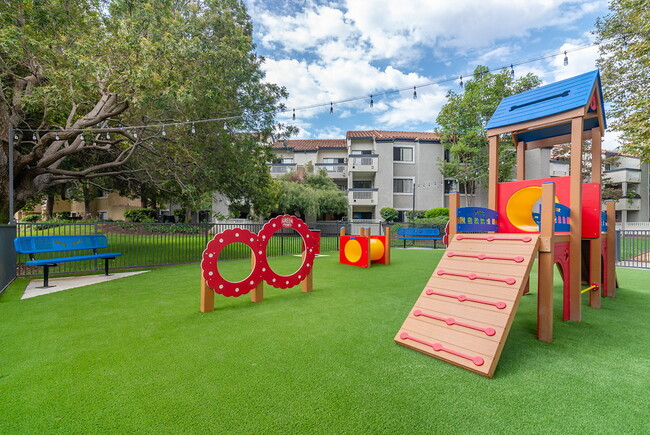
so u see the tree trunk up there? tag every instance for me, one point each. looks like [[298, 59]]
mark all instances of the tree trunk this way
[[49, 206]]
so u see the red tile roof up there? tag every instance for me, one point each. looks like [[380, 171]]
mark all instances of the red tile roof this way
[[309, 144], [383, 134]]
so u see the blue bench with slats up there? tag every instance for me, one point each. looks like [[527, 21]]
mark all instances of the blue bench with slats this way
[[32, 245], [419, 234]]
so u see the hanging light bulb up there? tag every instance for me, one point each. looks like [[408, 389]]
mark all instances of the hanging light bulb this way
[[135, 134], [512, 71], [163, 132], [415, 93], [193, 129], [294, 114], [108, 135], [16, 136], [331, 108], [33, 136], [56, 137], [372, 103], [566, 59], [461, 82]]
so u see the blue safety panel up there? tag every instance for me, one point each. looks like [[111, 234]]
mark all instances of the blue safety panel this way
[[603, 222], [53, 261], [476, 219], [548, 100], [562, 215], [424, 233], [38, 244]]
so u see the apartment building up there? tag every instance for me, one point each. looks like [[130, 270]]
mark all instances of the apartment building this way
[[629, 175], [375, 168]]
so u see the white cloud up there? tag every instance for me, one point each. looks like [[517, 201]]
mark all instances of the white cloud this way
[[410, 113]]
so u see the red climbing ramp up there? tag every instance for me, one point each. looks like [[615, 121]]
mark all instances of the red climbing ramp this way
[[465, 311]]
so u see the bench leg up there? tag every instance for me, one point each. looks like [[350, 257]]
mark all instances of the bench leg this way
[[106, 266], [46, 277]]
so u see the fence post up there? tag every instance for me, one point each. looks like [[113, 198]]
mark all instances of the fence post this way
[[618, 246], [8, 263]]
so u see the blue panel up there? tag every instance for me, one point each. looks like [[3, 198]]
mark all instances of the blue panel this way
[[562, 214], [547, 100], [603, 222], [418, 232], [36, 244], [473, 219]]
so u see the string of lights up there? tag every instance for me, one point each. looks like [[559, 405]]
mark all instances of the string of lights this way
[[162, 125]]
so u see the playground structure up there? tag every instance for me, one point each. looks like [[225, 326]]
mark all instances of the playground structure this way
[[213, 282], [364, 249], [464, 314]]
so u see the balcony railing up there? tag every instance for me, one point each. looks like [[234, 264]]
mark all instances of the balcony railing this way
[[623, 176], [281, 168], [632, 204], [363, 162], [334, 170], [363, 196]]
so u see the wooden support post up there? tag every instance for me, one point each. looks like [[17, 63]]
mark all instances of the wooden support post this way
[[207, 296], [257, 294], [306, 284], [545, 266], [454, 201], [493, 177], [595, 245], [387, 247], [342, 231], [611, 249], [521, 161], [575, 237]]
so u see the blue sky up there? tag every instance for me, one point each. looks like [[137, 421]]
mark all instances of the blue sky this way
[[324, 51]]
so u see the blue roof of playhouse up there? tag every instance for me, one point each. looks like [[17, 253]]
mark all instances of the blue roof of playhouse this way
[[549, 100]]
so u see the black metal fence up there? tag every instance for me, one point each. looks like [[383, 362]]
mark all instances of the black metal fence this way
[[633, 248], [8, 257], [163, 244]]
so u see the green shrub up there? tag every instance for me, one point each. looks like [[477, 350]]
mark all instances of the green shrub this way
[[433, 220], [389, 214], [436, 212], [140, 215], [414, 214], [180, 215], [31, 218]]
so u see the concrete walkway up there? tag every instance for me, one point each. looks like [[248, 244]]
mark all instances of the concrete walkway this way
[[69, 282]]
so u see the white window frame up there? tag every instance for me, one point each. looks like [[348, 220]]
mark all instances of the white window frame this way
[[407, 162], [412, 179]]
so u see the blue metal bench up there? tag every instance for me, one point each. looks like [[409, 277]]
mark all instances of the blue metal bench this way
[[419, 234], [32, 245]]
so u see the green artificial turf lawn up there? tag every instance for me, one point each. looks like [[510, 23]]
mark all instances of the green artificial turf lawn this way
[[136, 355]]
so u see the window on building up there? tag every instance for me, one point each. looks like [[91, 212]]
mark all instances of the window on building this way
[[332, 160], [402, 185], [403, 154], [362, 184], [287, 160], [447, 155]]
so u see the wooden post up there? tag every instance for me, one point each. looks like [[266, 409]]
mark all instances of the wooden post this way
[[545, 266], [493, 177], [306, 284], [454, 201], [387, 247], [575, 236], [611, 249], [521, 161], [207, 296], [257, 294], [595, 245], [342, 231]]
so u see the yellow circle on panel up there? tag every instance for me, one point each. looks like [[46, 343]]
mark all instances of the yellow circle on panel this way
[[352, 251], [376, 249], [519, 208]]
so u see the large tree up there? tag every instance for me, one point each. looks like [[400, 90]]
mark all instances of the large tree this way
[[88, 84], [624, 45], [462, 122]]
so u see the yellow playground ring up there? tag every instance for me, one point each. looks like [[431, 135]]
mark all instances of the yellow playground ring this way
[[519, 208]]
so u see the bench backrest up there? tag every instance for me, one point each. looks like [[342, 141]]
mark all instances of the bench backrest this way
[[36, 244], [418, 232]]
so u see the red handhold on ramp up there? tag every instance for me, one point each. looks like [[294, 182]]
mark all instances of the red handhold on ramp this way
[[451, 321], [517, 259], [463, 298], [473, 276], [524, 239], [477, 360]]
